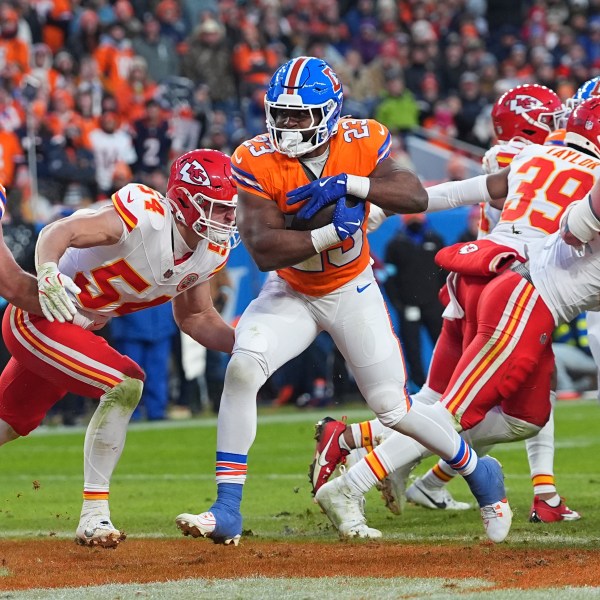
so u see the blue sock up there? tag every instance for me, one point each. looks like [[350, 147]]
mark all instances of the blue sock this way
[[229, 496], [487, 482]]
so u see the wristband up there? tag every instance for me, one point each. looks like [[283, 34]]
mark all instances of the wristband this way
[[358, 186], [324, 237]]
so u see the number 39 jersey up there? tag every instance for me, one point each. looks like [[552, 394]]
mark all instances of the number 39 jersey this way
[[357, 148], [140, 270], [542, 182]]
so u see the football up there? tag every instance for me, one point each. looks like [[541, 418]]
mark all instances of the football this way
[[321, 218]]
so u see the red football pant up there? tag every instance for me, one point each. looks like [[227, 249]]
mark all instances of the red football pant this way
[[509, 362], [49, 360]]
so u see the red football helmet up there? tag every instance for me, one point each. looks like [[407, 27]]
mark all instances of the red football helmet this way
[[530, 112], [583, 126], [203, 195]]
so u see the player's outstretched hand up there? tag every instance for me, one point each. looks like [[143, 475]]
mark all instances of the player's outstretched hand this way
[[347, 219], [54, 299], [319, 193]]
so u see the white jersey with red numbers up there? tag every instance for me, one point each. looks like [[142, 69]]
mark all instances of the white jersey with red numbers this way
[[542, 182], [140, 270], [567, 280], [495, 159]]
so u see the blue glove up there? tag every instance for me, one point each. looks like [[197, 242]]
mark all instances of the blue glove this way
[[347, 220], [321, 192]]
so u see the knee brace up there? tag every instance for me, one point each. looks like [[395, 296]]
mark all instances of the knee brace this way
[[517, 371]]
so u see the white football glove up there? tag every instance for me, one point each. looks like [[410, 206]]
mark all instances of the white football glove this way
[[54, 299]]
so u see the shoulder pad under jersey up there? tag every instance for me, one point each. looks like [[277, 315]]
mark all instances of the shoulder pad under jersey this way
[[501, 155], [137, 204]]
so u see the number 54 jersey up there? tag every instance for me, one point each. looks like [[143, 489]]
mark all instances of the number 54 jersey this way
[[140, 270], [357, 148]]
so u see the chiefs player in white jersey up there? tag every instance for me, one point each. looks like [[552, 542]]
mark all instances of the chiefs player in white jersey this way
[[500, 386], [140, 251]]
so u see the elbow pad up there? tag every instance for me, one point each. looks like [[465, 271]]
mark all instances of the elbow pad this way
[[458, 193]]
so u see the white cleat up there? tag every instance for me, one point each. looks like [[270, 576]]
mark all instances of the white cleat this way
[[97, 530], [344, 510], [436, 498], [203, 525], [497, 519]]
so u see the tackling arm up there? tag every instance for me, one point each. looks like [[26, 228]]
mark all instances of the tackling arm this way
[[100, 228], [196, 316], [491, 188]]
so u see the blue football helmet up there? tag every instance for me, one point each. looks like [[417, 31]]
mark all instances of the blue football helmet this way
[[589, 89], [304, 83]]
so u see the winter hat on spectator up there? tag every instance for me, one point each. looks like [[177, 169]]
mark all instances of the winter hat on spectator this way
[[209, 26], [422, 31]]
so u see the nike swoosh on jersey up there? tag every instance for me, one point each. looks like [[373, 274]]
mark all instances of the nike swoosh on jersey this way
[[129, 198], [238, 160], [361, 289]]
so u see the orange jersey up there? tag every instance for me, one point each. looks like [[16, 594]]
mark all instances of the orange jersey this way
[[357, 148], [10, 149]]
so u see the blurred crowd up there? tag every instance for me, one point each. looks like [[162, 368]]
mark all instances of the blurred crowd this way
[[98, 93]]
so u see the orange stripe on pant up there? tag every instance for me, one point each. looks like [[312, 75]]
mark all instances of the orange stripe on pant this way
[[486, 362], [55, 355]]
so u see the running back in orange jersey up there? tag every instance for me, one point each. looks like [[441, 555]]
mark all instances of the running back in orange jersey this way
[[357, 148]]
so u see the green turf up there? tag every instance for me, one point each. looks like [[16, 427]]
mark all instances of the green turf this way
[[169, 468]]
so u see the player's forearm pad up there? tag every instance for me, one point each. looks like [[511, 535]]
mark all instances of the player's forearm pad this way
[[581, 220], [458, 193]]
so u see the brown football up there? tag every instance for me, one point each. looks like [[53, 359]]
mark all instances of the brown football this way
[[321, 218]]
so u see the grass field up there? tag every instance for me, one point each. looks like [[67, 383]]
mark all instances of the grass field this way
[[168, 468]]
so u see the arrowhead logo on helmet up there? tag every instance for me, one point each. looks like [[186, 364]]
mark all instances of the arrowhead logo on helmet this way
[[194, 173]]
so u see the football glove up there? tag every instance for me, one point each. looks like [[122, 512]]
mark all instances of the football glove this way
[[347, 220], [320, 192], [52, 288]]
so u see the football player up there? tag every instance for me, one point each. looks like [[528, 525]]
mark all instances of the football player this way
[[499, 389], [140, 251], [322, 280]]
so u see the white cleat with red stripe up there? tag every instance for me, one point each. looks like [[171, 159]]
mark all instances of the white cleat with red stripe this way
[[204, 525]]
